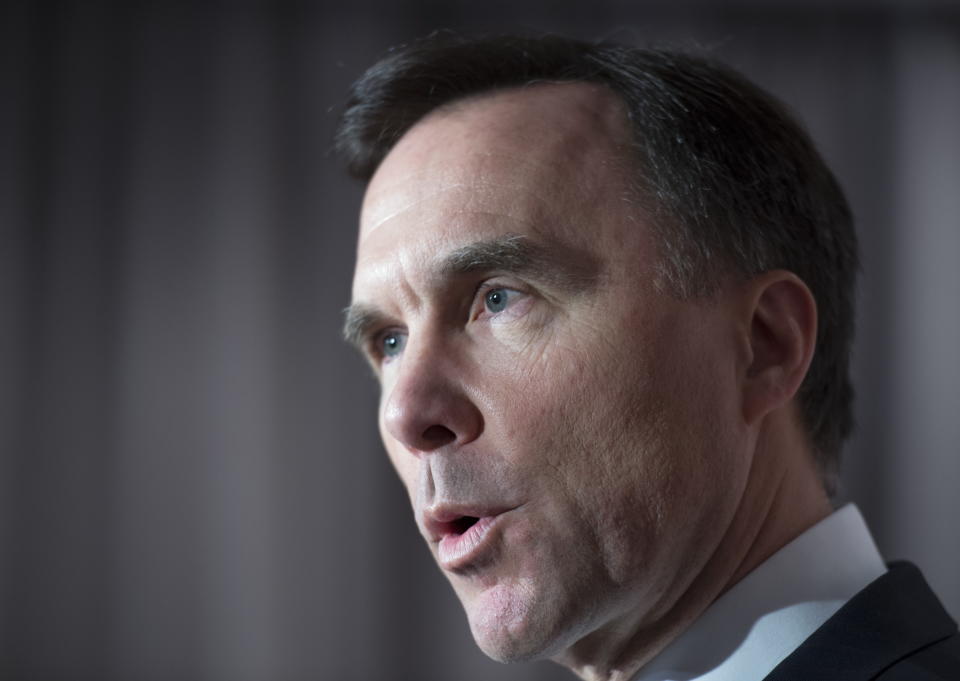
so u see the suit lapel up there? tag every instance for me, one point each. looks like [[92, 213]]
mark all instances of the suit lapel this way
[[891, 618]]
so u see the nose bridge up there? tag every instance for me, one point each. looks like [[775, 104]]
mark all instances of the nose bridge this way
[[429, 405]]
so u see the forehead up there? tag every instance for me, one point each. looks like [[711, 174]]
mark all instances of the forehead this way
[[546, 160]]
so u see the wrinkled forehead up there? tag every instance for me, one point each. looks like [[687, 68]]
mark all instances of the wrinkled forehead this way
[[555, 144]]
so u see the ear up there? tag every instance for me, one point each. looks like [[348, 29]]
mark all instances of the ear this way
[[781, 336]]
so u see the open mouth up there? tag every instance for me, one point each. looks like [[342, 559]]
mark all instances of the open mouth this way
[[460, 537], [463, 539], [462, 524]]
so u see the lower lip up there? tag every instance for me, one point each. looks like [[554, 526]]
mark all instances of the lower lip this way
[[458, 550]]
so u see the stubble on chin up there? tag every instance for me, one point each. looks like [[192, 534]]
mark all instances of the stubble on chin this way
[[517, 622]]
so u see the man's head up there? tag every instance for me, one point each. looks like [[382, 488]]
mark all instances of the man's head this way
[[580, 279]]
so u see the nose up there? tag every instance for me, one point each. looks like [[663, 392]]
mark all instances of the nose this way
[[428, 406]]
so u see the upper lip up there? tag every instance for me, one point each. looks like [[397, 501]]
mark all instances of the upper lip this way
[[442, 519]]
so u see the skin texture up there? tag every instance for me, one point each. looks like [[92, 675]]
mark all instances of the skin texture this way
[[645, 449]]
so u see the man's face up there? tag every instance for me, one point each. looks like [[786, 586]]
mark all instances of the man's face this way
[[566, 431]]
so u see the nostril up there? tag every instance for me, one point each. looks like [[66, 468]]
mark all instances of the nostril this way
[[438, 436]]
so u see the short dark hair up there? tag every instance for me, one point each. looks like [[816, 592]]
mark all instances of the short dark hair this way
[[729, 180]]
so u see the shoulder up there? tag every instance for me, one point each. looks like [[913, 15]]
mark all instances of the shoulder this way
[[893, 630], [936, 662]]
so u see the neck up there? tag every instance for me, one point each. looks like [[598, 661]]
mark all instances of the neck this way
[[783, 498]]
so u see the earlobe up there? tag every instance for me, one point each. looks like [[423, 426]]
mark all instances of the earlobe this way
[[782, 333]]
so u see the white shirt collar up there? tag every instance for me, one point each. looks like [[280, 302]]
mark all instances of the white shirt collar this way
[[752, 627]]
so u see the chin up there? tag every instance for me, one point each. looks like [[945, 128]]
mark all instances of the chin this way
[[510, 628], [507, 647]]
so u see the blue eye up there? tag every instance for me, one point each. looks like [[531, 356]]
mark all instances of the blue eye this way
[[391, 343], [496, 299]]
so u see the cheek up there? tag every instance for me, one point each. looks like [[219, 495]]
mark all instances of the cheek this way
[[624, 434], [582, 418]]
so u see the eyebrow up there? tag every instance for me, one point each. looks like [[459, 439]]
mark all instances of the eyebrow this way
[[359, 319], [556, 265]]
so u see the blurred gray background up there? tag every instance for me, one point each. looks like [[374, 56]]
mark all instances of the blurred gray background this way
[[191, 484]]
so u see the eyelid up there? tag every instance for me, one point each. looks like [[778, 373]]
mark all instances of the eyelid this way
[[373, 339], [374, 342], [478, 306]]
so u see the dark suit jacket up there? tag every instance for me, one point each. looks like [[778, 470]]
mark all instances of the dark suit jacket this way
[[893, 630]]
